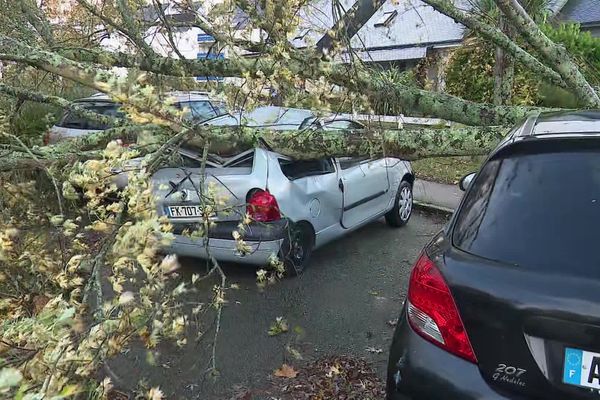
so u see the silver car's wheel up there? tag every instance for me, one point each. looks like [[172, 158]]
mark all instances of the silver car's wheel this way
[[400, 214], [405, 203], [297, 248]]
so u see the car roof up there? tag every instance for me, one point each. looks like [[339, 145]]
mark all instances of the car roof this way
[[275, 117], [178, 95], [562, 124], [553, 125]]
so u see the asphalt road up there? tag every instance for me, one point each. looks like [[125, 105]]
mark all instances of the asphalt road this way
[[340, 305]]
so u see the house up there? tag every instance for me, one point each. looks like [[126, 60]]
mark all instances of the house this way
[[584, 12], [401, 33]]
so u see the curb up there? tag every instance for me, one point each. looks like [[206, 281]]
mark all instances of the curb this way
[[433, 207]]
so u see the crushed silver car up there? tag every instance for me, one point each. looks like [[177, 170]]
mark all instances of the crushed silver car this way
[[295, 206]]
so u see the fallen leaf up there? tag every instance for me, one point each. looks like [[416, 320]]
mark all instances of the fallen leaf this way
[[155, 394], [39, 302], [295, 353], [278, 327], [286, 372], [334, 370]]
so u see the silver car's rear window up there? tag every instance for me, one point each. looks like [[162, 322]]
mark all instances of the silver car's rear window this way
[[74, 121]]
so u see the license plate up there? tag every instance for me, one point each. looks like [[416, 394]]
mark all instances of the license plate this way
[[582, 368], [184, 211]]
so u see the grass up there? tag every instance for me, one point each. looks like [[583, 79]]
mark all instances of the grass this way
[[447, 169]]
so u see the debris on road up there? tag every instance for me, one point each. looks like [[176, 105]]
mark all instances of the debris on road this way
[[393, 322], [374, 350], [285, 372], [278, 327]]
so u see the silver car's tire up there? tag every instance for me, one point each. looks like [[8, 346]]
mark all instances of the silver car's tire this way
[[400, 214], [297, 248]]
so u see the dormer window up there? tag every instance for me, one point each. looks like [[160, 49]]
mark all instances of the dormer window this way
[[386, 19]]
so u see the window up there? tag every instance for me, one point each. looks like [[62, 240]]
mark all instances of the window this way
[[349, 162], [220, 108], [247, 161], [535, 211], [386, 19], [342, 124], [296, 169], [198, 110], [75, 121]]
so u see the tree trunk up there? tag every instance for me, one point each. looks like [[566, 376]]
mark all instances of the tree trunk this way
[[504, 69], [555, 55]]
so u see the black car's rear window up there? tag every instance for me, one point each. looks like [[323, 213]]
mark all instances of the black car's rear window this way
[[539, 211]]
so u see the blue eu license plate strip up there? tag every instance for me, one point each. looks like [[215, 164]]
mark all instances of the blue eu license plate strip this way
[[581, 368]]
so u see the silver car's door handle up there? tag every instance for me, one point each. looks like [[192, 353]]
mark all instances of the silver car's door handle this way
[[341, 185]]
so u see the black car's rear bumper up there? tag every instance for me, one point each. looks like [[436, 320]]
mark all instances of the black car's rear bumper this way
[[419, 370]]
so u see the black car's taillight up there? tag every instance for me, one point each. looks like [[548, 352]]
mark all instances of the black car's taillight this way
[[432, 312]]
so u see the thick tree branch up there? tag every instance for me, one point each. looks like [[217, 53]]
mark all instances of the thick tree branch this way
[[29, 95], [168, 28], [407, 144], [349, 24], [128, 30], [497, 37], [555, 54], [38, 20], [411, 99]]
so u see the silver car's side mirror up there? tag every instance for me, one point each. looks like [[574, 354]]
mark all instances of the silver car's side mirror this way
[[466, 181]]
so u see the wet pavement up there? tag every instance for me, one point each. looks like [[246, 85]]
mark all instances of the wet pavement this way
[[340, 305]]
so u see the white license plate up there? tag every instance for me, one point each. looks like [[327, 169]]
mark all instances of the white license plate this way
[[184, 211], [582, 368]]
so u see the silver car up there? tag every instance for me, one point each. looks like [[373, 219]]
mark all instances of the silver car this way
[[295, 206], [198, 105]]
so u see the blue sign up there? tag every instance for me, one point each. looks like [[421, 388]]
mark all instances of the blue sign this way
[[205, 38]]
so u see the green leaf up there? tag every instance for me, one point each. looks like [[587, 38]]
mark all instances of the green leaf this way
[[278, 327], [66, 317]]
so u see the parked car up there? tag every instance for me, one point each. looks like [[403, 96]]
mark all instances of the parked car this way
[[267, 117], [296, 205], [71, 125], [504, 303]]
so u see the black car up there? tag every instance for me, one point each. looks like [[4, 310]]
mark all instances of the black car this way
[[504, 303]]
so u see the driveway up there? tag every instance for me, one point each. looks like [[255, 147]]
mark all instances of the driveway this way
[[340, 305]]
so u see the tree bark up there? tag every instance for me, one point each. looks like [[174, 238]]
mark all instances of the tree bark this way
[[556, 55], [411, 99], [406, 144], [410, 144], [498, 38], [504, 69], [29, 95]]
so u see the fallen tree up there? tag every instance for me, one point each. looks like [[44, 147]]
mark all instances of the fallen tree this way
[[81, 280]]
